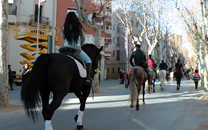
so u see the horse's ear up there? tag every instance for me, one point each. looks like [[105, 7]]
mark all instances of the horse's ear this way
[[101, 48]]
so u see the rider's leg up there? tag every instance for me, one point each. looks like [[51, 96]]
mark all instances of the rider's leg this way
[[87, 60]]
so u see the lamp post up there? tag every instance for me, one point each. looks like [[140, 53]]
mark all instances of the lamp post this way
[[53, 40], [38, 29], [38, 25]]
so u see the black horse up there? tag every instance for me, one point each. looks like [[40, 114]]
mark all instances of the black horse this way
[[57, 73]]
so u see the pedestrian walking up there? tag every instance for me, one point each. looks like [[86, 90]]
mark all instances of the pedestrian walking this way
[[120, 76], [127, 78], [196, 79], [10, 76], [123, 79]]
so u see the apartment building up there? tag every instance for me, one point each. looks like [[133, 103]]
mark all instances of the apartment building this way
[[119, 53], [22, 12], [27, 10]]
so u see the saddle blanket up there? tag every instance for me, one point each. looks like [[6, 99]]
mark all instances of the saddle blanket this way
[[82, 70]]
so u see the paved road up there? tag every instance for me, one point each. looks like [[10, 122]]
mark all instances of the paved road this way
[[109, 110]]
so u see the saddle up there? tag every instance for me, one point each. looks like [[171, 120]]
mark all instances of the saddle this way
[[73, 53]]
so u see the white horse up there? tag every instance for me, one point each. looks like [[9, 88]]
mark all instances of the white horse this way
[[162, 75]]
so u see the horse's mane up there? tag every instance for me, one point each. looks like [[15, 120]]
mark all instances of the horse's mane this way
[[92, 50]]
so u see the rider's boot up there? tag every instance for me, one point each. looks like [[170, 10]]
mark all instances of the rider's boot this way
[[88, 81]]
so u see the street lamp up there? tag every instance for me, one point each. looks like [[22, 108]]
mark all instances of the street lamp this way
[[42, 1]]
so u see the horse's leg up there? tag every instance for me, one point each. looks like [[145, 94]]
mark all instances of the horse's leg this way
[[143, 92], [49, 110], [154, 86], [45, 103], [177, 82], [78, 117], [137, 99]]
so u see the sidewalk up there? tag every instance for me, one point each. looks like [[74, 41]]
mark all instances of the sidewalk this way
[[109, 110]]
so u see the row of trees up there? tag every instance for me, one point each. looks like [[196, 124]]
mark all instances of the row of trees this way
[[195, 18], [155, 26]]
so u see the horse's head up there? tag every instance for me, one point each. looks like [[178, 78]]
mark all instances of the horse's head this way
[[94, 54]]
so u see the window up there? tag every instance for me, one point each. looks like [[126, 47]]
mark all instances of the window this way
[[118, 29], [88, 38], [118, 55], [114, 40], [113, 70], [113, 27], [132, 23], [118, 69], [113, 53], [108, 70], [118, 41], [36, 13], [102, 41], [137, 24]]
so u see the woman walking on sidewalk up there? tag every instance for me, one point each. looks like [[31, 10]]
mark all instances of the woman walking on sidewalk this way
[[196, 79]]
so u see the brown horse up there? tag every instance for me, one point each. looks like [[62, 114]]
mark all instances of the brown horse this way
[[137, 78], [152, 79]]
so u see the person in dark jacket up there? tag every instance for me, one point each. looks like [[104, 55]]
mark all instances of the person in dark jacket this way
[[163, 65], [10, 76], [120, 76], [196, 79], [178, 65], [140, 60]]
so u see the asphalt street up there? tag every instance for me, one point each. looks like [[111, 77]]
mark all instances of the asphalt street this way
[[166, 109]]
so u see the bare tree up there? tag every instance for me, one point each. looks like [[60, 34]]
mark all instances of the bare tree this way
[[4, 97], [197, 27]]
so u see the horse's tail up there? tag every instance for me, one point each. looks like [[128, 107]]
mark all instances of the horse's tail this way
[[133, 88], [34, 85]]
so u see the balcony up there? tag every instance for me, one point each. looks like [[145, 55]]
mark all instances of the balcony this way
[[43, 20], [107, 41]]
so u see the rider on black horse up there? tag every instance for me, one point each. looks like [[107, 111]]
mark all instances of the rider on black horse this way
[[140, 60], [73, 34]]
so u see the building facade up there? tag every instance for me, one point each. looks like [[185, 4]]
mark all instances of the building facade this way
[[23, 11], [27, 10], [120, 53]]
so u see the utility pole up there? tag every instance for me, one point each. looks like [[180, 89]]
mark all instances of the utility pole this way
[[38, 29], [53, 39], [38, 26]]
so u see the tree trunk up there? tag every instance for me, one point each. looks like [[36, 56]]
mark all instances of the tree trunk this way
[[4, 97], [96, 77]]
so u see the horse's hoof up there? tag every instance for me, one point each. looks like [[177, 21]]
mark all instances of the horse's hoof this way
[[137, 108], [162, 88], [79, 127], [75, 118], [143, 103], [131, 106]]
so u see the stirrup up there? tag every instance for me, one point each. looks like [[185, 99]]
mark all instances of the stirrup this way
[[88, 82]]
